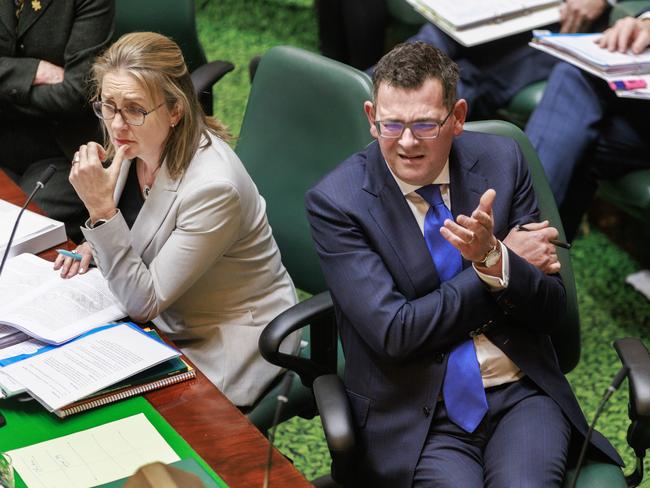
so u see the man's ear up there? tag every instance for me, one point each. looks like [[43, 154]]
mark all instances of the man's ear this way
[[460, 114], [369, 108]]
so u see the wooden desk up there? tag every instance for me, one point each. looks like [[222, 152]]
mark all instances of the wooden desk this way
[[199, 412]]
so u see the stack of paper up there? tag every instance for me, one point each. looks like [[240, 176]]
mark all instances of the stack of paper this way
[[63, 375], [35, 233], [474, 22], [73, 357], [582, 51]]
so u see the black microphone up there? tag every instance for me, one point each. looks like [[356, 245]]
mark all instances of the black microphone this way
[[40, 184], [283, 397], [616, 383]]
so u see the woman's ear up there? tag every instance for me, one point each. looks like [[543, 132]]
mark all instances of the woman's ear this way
[[176, 114]]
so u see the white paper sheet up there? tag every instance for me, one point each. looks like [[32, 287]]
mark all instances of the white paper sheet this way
[[94, 456], [47, 307], [79, 368]]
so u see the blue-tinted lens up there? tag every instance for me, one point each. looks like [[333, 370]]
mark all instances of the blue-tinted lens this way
[[424, 129], [391, 128]]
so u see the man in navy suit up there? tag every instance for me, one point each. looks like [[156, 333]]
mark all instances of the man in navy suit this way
[[450, 372]]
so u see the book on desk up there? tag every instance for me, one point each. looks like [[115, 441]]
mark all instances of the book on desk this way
[[35, 233], [475, 22]]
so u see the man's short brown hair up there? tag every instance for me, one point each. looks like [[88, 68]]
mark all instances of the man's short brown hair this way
[[409, 65]]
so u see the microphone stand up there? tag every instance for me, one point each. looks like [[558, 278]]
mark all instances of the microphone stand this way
[[616, 383], [283, 397], [47, 174]]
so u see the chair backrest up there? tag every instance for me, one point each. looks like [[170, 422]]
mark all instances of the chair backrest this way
[[304, 116], [567, 338], [173, 18], [404, 12]]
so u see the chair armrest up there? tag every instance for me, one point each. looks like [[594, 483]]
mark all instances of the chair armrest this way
[[629, 8], [635, 356], [318, 308], [205, 76], [338, 426]]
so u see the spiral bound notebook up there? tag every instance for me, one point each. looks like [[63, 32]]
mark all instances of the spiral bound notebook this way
[[166, 374]]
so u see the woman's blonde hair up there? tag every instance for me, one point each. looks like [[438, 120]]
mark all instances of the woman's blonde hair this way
[[157, 63]]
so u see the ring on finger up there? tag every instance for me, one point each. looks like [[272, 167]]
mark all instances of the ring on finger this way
[[76, 159], [471, 239]]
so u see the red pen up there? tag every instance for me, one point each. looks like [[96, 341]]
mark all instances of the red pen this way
[[627, 85]]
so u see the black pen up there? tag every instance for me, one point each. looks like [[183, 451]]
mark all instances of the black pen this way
[[562, 244]]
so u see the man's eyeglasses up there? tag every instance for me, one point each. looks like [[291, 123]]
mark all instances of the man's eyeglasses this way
[[130, 115], [423, 129]]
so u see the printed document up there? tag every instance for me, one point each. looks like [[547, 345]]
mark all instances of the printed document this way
[[92, 457], [65, 374], [39, 302]]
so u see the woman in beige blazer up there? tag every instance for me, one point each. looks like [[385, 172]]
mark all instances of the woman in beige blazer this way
[[176, 225]]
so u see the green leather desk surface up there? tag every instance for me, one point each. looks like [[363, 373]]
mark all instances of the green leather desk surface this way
[[29, 423]]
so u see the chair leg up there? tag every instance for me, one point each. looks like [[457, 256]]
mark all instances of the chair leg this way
[[634, 478]]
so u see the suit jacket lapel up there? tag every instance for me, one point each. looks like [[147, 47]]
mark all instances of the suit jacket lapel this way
[[155, 207], [394, 217], [467, 185], [30, 14], [154, 210]]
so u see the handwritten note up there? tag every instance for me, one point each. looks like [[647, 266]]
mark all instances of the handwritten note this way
[[94, 456]]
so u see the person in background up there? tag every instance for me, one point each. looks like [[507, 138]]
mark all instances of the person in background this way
[[176, 225], [352, 31], [46, 50], [583, 132], [492, 73], [444, 308]]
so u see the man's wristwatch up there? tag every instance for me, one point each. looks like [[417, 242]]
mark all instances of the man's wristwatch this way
[[492, 256]]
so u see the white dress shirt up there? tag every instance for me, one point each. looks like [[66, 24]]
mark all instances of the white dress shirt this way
[[496, 367]]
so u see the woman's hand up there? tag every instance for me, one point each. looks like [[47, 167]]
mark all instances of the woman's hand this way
[[70, 267], [95, 184]]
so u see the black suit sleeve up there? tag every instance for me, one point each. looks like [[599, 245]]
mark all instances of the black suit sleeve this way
[[91, 31]]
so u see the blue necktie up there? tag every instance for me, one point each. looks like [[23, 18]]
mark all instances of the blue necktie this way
[[462, 388]]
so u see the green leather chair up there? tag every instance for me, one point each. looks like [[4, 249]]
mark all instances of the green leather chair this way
[[330, 394], [175, 19], [304, 116]]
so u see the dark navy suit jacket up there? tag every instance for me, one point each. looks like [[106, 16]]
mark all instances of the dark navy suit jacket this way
[[398, 322]]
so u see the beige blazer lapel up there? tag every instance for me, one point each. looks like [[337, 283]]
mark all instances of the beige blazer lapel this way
[[154, 210]]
